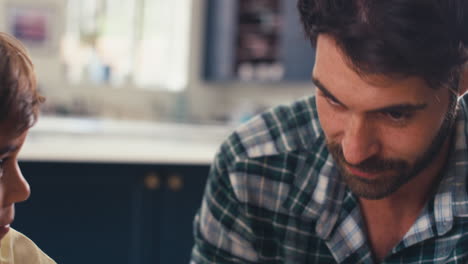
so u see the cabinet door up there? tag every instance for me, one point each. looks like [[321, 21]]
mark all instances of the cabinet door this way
[[181, 196], [85, 213], [111, 213]]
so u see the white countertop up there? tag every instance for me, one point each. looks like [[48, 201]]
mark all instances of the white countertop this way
[[92, 140]]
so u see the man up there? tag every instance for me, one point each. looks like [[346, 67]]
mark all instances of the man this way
[[19, 107], [374, 167]]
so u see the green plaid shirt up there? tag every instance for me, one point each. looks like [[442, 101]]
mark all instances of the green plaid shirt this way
[[274, 196]]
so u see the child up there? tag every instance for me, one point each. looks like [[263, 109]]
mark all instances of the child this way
[[19, 107]]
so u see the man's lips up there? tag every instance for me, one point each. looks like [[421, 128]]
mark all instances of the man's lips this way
[[360, 173]]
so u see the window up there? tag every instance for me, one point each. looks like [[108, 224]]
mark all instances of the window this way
[[140, 43]]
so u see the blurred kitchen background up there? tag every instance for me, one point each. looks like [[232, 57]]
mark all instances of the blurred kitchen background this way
[[140, 93]]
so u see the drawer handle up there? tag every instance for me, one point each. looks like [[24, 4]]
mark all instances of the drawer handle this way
[[175, 182], [152, 181]]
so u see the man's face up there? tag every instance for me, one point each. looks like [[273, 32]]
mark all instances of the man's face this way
[[382, 132], [13, 186]]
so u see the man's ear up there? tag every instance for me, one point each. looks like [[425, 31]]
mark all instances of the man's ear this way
[[463, 81]]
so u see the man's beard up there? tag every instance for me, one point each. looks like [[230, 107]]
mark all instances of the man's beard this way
[[394, 172]]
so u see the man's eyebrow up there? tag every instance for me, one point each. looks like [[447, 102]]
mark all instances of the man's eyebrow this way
[[324, 90], [8, 149], [404, 107], [401, 108]]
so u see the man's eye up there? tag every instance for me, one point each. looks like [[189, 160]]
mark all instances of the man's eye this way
[[333, 101], [397, 116], [2, 161]]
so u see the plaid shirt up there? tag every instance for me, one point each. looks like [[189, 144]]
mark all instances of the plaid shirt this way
[[274, 196]]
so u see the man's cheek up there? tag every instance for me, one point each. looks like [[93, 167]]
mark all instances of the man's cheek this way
[[332, 125]]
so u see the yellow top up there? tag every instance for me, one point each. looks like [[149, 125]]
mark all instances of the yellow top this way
[[16, 248]]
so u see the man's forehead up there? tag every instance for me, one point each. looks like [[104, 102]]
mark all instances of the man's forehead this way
[[334, 71]]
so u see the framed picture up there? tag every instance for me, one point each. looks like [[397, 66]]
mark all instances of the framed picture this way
[[32, 25]]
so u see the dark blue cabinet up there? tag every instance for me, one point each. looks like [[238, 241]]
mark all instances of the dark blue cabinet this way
[[255, 40], [111, 213]]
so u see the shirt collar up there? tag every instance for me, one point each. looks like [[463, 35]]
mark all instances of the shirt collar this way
[[450, 199], [455, 181], [317, 193]]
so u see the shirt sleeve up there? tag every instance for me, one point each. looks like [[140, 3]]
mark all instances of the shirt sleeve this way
[[222, 230]]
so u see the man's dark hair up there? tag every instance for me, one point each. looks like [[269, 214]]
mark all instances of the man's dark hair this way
[[424, 38], [19, 99]]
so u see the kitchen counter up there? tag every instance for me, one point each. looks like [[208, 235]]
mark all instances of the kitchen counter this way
[[94, 140]]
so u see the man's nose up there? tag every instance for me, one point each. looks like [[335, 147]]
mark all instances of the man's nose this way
[[359, 142], [16, 188]]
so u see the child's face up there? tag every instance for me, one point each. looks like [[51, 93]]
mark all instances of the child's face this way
[[13, 186]]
